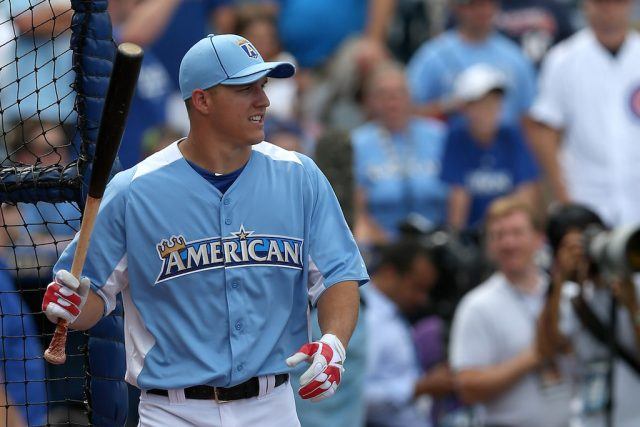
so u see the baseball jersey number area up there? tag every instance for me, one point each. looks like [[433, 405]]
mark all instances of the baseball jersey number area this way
[[242, 258]]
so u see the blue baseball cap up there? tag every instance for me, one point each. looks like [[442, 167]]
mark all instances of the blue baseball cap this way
[[228, 60]]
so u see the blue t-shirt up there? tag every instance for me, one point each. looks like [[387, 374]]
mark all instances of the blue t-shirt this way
[[22, 365], [221, 182], [189, 23], [40, 60], [486, 172], [399, 173], [148, 108], [313, 30], [434, 67]]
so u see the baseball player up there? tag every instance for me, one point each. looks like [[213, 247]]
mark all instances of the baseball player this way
[[218, 244], [587, 140]]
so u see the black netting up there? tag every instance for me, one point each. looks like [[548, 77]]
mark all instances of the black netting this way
[[39, 187]]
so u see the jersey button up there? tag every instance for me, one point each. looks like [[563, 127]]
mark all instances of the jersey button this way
[[227, 201], [235, 285], [240, 367], [238, 325], [227, 221]]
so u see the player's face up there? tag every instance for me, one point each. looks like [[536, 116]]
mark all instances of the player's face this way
[[608, 15], [512, 242], [414, 286], [238, 112]]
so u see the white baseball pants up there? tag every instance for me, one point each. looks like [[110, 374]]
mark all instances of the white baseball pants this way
[[273, 408]]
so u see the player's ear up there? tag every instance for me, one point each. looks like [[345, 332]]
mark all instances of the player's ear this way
[[200, 101]]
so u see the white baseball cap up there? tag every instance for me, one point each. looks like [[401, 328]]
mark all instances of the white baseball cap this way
[[477, 81]]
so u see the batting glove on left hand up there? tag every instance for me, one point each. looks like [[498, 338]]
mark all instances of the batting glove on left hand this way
[[323, 376]]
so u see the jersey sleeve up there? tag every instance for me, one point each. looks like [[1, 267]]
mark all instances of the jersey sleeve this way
[[333, 254], [549, 107], [471, 343], [106, 263]]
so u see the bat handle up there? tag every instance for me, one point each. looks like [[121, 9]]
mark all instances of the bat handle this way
[[56, 353]]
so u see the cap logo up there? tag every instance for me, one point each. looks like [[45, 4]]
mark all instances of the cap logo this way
[[248, 48]]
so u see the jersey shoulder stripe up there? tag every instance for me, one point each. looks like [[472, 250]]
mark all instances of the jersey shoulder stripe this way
[[158, 160]]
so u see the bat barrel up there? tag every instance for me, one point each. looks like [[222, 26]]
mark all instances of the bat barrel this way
[[126, 68]]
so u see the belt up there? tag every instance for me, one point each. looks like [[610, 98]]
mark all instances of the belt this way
[[245, 390]]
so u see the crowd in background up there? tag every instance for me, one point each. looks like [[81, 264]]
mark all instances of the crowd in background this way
[[461, 121]]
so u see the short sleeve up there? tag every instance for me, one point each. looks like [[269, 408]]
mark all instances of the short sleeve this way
[[568, 322], [526, 168], [526, 85], [549, 107], [332, 249], [471, 344], [423, 75], [106, 263], [453, 168]]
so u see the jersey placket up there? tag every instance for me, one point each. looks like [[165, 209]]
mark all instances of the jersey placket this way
[[233, 290]]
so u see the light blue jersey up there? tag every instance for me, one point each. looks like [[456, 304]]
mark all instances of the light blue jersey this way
[[435, 66], [216, 287]]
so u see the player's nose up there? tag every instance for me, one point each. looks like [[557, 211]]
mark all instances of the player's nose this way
[[262, 100]]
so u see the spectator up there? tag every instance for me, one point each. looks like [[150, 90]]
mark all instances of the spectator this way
[[587, 115], [168, 40], [41, 73], [285, 134], [132, 22], [396, 160], [577, 284], [434, 67], [282, 93], [346, 408], [22, 371], [399, 287], [483, 158], [492, 339], [303, 26], [535, 25]]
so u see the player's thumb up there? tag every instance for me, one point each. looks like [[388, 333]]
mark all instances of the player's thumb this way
[[85, 286], [305, 352], [296, 359]]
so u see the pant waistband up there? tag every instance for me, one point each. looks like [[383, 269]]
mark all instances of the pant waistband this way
[[245, 390]]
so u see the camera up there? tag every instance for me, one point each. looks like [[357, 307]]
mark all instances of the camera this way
[[614, 252]]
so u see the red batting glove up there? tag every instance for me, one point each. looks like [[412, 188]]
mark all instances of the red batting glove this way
[[323, 376], [65, 297]]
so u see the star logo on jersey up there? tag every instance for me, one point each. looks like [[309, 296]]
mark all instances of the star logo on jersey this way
[[242, 248], [248, 48]]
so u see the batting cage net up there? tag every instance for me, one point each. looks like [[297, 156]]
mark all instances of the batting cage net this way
[[55, 62]]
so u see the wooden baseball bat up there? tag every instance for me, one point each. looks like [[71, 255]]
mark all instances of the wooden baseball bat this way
[[124, 76]]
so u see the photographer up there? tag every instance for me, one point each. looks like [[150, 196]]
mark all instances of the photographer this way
[[492, 347], [578, 318]]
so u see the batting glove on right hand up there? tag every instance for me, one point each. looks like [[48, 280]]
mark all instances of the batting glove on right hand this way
[[323, 376], [65, 297]]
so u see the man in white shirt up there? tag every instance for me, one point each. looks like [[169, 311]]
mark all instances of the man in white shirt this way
[[586, 118], [399, 286], [492, 347]]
